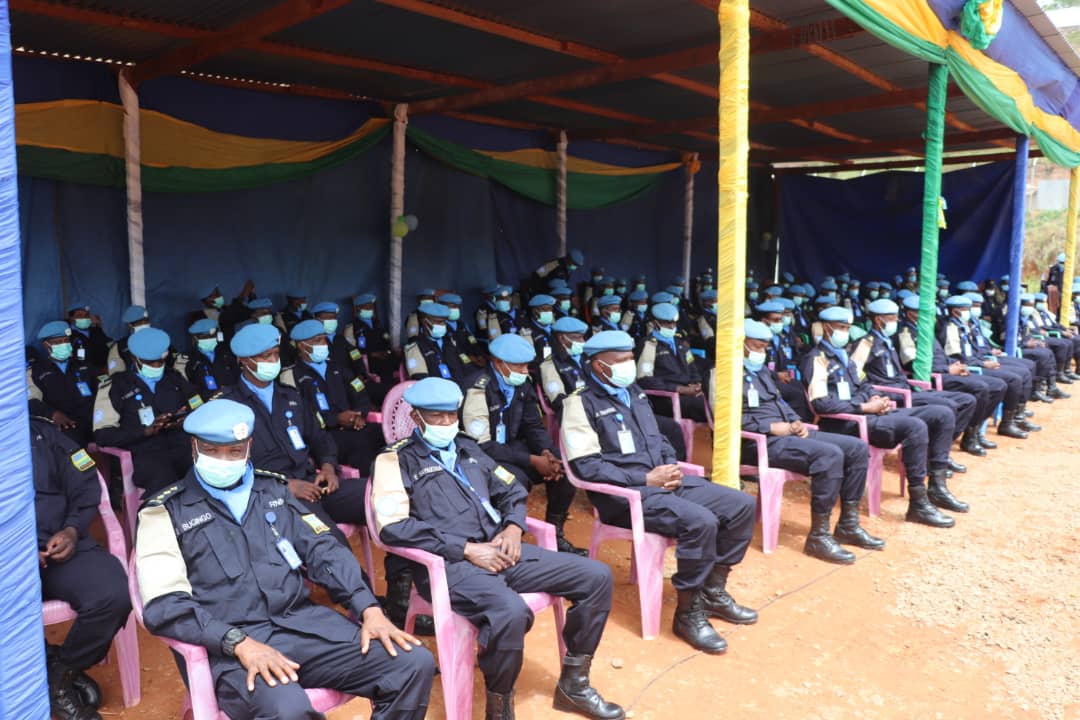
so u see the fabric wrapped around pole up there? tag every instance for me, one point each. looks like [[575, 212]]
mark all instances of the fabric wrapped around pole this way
[[133, 175], [23, 690], [560, 189], [1016, 247], [1070, 249], [397, 209], [936, 96], [688, 214]]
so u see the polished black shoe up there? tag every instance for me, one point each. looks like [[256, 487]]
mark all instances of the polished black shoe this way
[[1039, 392], [720, 604], [561, 543], [986, 442], [1008, 428], [692, 625], [88, 689], [957, 467], [573, 693], [921, 511], [937, 492], [1057, 393], [970, 444], [1063, 378], [822, 545], [1021, 420], [1072, 375], [64, 700], [499, 706], [849, 532]]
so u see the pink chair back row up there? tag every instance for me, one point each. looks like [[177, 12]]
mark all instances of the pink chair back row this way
[[396, 423]]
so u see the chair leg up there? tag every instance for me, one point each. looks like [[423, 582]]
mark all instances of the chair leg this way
[[770, 498], [649, 560], [594, 545], [633, 565], [126, 643], [365, 549], [687, 427], [559, 609], [873, 482], [457, 655]]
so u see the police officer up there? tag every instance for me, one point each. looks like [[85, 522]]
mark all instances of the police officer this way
[[609, 314], [564, 305], [368, 335], [538, 329], [664, 365], [261, 310], [638, 313], [223, 559], [342, 352], [212, 303], [1064, 336], [438, 491], [835, 463], [295, 310], [412, 322], [706, 325], [501, 318], [610, 436], [433, 353], [88, 340], [502, 414], [561, 372], [924, 432], [559, 268], [141, 410], [66, 383], [876, 358], [290, 439], [211, 367], [74, 568], [137, 319], [1056, 274], [782, 353], [1035, 345]]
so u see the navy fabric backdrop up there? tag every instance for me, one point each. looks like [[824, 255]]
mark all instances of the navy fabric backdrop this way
[[871, 226]]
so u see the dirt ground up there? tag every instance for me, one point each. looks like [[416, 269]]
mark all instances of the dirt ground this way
[[980, 621]]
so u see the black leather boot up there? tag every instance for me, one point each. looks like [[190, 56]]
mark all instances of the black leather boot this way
[[720, 604], [1063, 378], [984, 441], [822, 545], [88, 689], [938, 493], [957, 467], [1008, 428], [1055, 392], [970, 444], [1021, 420], [1038, 392], [692, 625], [397, 605], [561, 542], [921, 511], [574, 694], [850, 532], [1072, 375], [64, 700], [499, 706]]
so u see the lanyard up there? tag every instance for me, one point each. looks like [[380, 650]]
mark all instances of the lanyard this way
[[461, 478]]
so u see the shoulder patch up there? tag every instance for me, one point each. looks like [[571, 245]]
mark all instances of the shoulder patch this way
[[164, 495], [398, 445], [481, 382], [82, 460], [503, 474], [195, 402], [317, 526], [357, 384], [273, 475]]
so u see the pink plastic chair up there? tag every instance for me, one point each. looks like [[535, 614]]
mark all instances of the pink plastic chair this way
[[455, 636], [132, 493], [348, 530], [647, 549], [396, 423], [688, 426], [771, 489], [126, 642], [551, 420], [200, 702]]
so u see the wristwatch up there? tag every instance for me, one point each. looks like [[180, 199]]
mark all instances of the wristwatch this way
[[234, 637]]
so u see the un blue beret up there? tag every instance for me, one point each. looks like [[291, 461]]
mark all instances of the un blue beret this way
[[254, 339], [1027, 298], [222, 422], [785, 303], [504, 290], [844, 277], [260, 304], [828, 284], [751, 284], [770, 306], [202, 327], [788, 277], [512, 348], [569, 325], [363, 299], [855, 282], [911, 302], [679, 280], [675, 290], [775, 291], [450, 299], [1061, 257], [1040, 296], [576, 257], [607, 341], [976, 298], [943, 283], [561, 291], [296, 294], [435, 310], [661, 297], [640, 279], [666, 312], [967, 286], [1076, 287], [883, 307], [606, 300], [755, 330], [492, 289], [872, 285], [958, 301], [609, 280], [885, 285], [539, 300], [325, 307], [434, 393], [904, 294], [307, 329], [911, 269], [828, 299], [556, 283], [835, 314], [711, 295], [208, 290], [134, 314], [425, 292], [149, 344], [639, 296], [56, 328], [77, 306], [1004, 278]]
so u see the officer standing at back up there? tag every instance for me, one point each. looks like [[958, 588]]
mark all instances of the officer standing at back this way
[[67, 384], [88, 340]]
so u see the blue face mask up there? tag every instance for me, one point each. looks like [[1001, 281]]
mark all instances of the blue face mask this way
[[439, 436], [438, 332], [576, 348], [218, 302], [545, 318], [609, 291], [754, 361], [564, 305], [366, 314], [319, 353], [82, 323], [330, 326], [265, 319], [667, 333], [207, 345], [150, 372], [60, 352], [455, 314], [502, 305]]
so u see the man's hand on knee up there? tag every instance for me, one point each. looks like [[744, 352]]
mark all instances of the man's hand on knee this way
[[259, 659]]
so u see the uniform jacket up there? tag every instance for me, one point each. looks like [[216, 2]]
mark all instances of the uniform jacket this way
[[337, 392], [212, 376], [661, 368], [367, 338], [905, 338], [485, 409], [66, 489], [120, 398], [560, 375], [71, 392], [956, 338], [822, 370], [91, 348], [770, 406], [426, 358], [878, 362]]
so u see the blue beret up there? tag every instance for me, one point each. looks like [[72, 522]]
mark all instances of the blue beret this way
[[639, 296], [769, 306], [976, 298], [828, 299], [149, 344], [561, 291], [911, 302], [844, 277], [943, 283], [788, 277], [434, 393], [597, 269], [828, 284], [325, 307], [609, 280], [958, 301], [606, 300], [666, 312], [576, 257], [608, 340], [855, 282], [512, 348], [751, 284], [1040, 296], [785, 303], [504, 290], [911, 269], [755, 330], [775, 291], [873, 285], [711, 295], [885, 286], [1027, 298], [1076, 287], [56, 328], [363, 299], [556, 283], [254, 339], [679, 280], [538, 300], [260, 304], [425, 292], [202, 327], [569, 325], [883, 307], [661, 297], [222, 422], [296, 294], [904, 294], [435, 310], [492, 289], [674, 290], [1061, 257], [967, 286], [450, 299], [77, 306], [134, 314], [307, 329], [835, 314], [208, 290], [1005, 278]]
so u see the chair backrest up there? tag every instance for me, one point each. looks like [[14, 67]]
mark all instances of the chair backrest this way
[[396, 423], [115, 533]]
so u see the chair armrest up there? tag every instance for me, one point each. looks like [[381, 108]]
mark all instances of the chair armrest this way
[[859, 420], [762, 450], [347, 472], [977, 369], [543, 532], [921, 384], [374, 417], [691, 469], [810, 426], [676, 408], [936, 378], [127, 468], [899, 392]]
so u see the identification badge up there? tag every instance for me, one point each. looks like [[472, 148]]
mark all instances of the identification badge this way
[[81, 353], [843, 390], [465, 359], [753, 398], [296, 438], [787, 351], [320, 398], [889, 371], [579, 383], [288, 552], [84, 388], [444, 371], [500, 434], [361, 342], [146, 416], [626, 442], [547, 352], [495, 515], [967, 350], [211, 383], [220, 336]]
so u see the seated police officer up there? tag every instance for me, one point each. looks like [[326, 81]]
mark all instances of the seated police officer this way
[[89, 341], [66, 383], [1064, 337], [412, 322], [538, 329], [295, 310], [994, 358], [368, 335], [211, 367], [664, 364], [137, 319], [469, 349], [433, 353], [223, 557], [835, 463], [609, 314], [74, 568], [141, 408], [610, 436], [1037, 346], [438, 491], [501, 316], [502, 414], [925, 433], [561, 372]]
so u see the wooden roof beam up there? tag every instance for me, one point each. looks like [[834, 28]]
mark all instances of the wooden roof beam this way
[[901, 164], [907, 146]]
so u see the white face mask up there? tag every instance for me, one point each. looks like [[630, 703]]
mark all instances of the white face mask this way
[[219, 473], [439, 436], [839, 338], [965, 316], [623, 373], [890, 328]]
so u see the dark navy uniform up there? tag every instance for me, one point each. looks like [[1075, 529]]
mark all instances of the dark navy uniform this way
[[440, 500], [1072, 344], [1025, 368], [213, 373], [125, 406], [464, 339], [93, 582], [666, 365], [203, 572], [502, 323], [540, 337], [835, 463], [924, 432], [953, 343], [373, 341], [782, 355], [713, 524], [1046, 359], [434, 358], [90, 346], [352, 359], [70, 388]]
